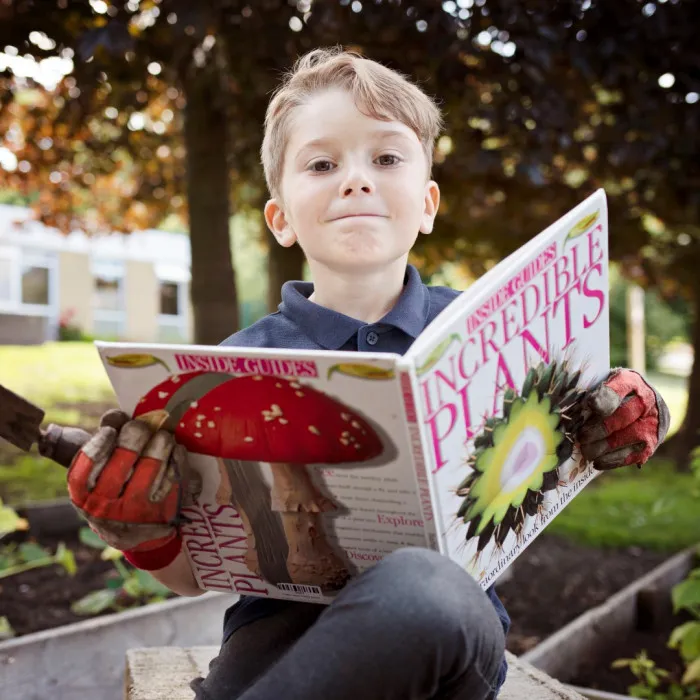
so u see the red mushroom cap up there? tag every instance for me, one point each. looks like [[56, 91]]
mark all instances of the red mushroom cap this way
[[158, 396], [271, 419]]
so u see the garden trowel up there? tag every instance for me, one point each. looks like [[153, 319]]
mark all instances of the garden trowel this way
[[20, 424]]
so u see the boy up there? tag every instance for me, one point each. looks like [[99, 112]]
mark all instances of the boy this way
[[347, 156]]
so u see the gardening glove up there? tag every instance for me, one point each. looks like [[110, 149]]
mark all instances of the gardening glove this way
[[129, 483], [627, 420]]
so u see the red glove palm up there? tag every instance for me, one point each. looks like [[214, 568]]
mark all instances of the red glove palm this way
[[628, 421], [128, 483]]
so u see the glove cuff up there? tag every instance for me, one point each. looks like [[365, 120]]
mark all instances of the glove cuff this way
[[158, 558]]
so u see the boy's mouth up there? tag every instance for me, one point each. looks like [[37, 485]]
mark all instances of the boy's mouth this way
[[358, 216]]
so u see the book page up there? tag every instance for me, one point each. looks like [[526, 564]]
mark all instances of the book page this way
[[500, 379], [305, 460]]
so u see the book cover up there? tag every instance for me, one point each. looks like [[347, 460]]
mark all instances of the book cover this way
[[500, 379], [305, 459]]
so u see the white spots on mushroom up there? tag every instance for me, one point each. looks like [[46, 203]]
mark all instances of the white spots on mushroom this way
[[299, 393], [201, 416], [176, 380], [273, 413], [355, 424], [295, 385], [313, 429], [284, 421], [142, 400], [345, 433], [198, 424], [211, 424], [163, 394], [198, 435], [345, 416], [344, 441], [182, 425], [357, 445], [247, 438], [257, 378], [278, 385], [194, 404], [217, 408]]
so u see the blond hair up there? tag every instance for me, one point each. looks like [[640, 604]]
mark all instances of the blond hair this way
[[378, 91]]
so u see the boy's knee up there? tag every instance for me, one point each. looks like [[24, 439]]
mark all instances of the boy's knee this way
[[438, 597]]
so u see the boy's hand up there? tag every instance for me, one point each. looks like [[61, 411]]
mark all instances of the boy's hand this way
[[628, 420], [129, 483]]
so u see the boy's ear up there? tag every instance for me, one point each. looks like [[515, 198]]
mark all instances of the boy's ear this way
[[430, 206], [277, 223]]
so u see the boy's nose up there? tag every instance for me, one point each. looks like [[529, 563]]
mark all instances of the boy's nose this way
[[356, 182]]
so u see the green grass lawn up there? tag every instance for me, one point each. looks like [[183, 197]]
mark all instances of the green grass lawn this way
[[67, 381], [653, 507]]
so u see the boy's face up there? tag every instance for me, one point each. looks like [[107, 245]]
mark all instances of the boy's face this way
[[354, 190]]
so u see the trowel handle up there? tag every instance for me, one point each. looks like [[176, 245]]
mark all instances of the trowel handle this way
[[61, 444]]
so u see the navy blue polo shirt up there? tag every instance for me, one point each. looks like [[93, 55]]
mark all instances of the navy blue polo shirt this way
[[302, 324]]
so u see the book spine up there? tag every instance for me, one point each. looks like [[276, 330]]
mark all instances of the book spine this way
[[419, 458]]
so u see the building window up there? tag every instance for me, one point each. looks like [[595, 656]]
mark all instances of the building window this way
[[170, 299], [109, 315], [35, 285]]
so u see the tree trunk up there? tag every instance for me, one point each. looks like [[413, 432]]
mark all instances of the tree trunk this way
[[282, 264], [213, 288], [679, 447]]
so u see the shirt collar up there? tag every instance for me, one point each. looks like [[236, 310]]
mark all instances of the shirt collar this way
[[331, 330]]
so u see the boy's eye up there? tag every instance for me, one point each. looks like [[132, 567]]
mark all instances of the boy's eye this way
[[321, 166], [388, 159]]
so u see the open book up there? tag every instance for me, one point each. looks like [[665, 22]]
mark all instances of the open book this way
[[315, 465]]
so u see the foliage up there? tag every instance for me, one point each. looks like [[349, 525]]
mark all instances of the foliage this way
[[68, 331], [131, 587], [18, 558], [10, 521], [657, 683], [665, 321], [653, 508]]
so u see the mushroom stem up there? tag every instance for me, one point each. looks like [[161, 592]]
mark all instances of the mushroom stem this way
[[311, 560], [294, 491]]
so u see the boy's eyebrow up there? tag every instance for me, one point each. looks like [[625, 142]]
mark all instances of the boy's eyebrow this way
[[380, 133]]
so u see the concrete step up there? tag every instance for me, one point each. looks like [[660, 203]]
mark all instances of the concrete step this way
[[164, 673]]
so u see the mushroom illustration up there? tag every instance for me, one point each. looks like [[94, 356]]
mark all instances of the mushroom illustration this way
[[164, 406], [289, 426]]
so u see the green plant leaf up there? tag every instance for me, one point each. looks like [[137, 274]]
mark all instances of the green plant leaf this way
[[31, 551], [95, 602], [111, 554], [686, 594], [90, 538], [149, 585], [132, 587], [66, 559], [10, 521], [692, 673], [6, 631]]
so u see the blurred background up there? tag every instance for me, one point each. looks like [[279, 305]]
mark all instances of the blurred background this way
[[131, 195]]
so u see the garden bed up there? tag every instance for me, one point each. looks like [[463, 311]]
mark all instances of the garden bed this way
[[41, 598], [553, 582]]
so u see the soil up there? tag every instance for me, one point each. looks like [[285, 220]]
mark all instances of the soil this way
[[555, 581], [40, 599], [601, 676]]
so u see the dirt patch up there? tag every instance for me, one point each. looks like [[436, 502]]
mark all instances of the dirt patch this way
[[554, 581], [40, 599], [601, 676]]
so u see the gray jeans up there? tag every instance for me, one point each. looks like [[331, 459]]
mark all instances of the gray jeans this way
[[414, 626]]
